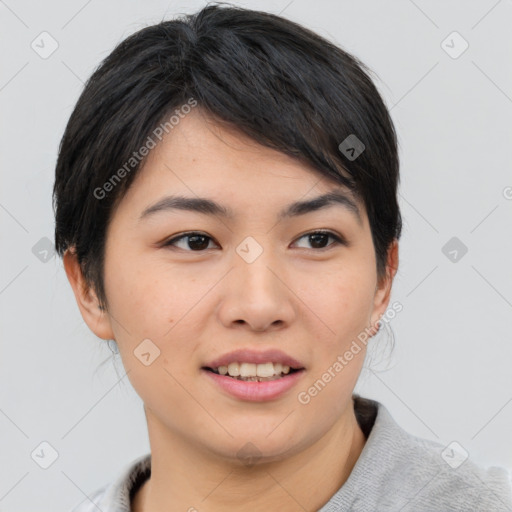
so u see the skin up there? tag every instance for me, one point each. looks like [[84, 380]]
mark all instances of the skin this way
[[198, 304]]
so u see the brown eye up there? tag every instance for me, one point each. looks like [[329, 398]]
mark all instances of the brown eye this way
[[318, 239], [196, 242]]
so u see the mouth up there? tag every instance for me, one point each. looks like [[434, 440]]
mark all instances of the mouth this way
[[254, 375], [251, 372]]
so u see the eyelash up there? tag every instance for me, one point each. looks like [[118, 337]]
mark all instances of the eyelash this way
[[338, 239]]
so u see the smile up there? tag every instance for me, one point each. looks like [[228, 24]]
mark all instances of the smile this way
[[251, 372], [253, 387]]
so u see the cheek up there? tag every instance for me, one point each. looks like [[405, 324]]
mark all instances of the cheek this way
[[341, 302], [144, 294], [159, 302], [344, 301], [139, 311]]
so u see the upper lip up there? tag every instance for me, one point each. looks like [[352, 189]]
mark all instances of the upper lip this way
[[256, 357]]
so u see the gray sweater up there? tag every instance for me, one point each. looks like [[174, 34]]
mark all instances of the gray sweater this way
[[396, 471]]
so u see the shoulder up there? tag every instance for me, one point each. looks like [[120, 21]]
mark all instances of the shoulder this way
[[116, 495], [411, 473], [445, 477]]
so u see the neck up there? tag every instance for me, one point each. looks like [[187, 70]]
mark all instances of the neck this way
[[185, 478]]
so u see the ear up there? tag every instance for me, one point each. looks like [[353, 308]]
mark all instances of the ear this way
[[97, 319], [383, 289]]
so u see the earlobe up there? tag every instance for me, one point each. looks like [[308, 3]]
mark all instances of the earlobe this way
[[95, 318]]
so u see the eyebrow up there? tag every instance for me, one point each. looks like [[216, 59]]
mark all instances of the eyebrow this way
[[210, 207]]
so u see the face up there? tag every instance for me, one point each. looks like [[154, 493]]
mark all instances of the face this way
[[187, 288]]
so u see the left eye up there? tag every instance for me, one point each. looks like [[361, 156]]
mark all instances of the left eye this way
[[318, 237], [199, 242]]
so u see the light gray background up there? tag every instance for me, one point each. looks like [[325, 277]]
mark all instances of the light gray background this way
[[449, 377]]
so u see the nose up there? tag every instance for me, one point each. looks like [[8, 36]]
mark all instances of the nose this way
[[256, 295]]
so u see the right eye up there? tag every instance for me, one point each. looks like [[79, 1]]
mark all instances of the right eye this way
[[197, 241]]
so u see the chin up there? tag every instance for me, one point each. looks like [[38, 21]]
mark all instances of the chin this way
[[248, 449]]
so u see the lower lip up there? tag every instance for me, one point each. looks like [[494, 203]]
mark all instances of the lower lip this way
[[254, 391]]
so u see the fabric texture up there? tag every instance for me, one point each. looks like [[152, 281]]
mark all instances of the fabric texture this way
[[396, 471]]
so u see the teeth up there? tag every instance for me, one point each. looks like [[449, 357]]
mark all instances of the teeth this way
[[248, 370], [234, 369], [265, 370], [252, 371]]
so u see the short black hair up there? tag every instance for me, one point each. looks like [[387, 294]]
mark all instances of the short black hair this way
[[281, 84]]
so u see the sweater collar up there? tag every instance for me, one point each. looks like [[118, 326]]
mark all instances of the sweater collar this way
[[375, 421]]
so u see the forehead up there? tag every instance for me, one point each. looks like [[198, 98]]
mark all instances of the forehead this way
[[199, 138], [201, 159]]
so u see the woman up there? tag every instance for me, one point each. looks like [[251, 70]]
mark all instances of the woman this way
[[226, 212]]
